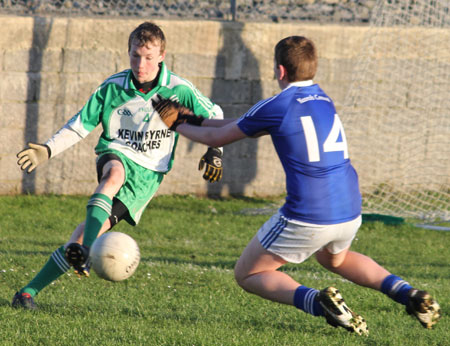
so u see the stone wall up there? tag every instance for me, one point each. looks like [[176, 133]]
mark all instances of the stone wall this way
[[49, 66]]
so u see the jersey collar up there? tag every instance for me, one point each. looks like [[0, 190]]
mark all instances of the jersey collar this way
[[164, 75], [303, 83], [163, 78]]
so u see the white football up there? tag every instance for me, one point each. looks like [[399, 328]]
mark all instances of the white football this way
[[114, 256]]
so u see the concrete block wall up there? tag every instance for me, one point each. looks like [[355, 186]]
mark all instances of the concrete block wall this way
[[50, 66]]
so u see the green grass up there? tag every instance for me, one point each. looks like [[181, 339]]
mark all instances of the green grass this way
[[183, 292]]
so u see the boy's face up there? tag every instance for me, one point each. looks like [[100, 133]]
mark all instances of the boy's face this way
[[144, 60]]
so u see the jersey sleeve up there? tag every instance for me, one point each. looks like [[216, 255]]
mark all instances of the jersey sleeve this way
[[79, 126], [62, 140], [89, 116], [261, 117], [189, 96]]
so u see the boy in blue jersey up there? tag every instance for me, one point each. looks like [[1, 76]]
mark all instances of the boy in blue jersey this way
[[135, 150], [322, 212]]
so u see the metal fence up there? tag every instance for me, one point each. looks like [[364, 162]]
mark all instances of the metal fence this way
[[321, 11]]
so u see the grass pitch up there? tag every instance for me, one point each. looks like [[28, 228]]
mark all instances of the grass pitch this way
[[183, 292]]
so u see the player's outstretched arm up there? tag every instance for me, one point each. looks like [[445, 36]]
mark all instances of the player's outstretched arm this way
[[212, 136], [174, 114], [217, 122], [31, 157]]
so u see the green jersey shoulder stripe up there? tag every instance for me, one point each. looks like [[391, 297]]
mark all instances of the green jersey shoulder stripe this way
[[179, 89], [121, 79], [177, 81]]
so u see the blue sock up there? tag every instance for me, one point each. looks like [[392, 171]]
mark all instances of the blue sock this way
[[396, 288], [304, 299]]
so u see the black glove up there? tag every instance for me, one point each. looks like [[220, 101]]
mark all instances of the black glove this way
[[213, 161]]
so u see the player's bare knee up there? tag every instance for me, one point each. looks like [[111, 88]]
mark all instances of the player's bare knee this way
[[114, 176], [238, 280], [240, 277]]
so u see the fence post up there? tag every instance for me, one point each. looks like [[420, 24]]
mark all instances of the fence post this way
[[233, 9]]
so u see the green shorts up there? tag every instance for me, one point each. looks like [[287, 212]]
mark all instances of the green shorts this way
[[139, 186]]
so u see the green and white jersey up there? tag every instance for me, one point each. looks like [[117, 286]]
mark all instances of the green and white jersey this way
[[130, 124]]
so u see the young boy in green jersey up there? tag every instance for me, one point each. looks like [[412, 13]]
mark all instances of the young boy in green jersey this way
[[135, 150]]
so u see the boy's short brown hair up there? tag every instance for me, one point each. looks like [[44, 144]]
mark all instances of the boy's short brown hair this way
[[298, 55], [147, 32]]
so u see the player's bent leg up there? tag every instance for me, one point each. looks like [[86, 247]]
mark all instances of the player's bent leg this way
[[256, 272], [364, 271], [112, 179], [353, 266], [100, 204], [77, 235], [55, 266], [338, 314]]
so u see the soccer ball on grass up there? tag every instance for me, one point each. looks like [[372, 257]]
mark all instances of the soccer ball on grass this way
[[114, 256]]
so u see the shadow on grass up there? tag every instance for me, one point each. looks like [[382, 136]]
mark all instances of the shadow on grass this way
[[255, 321], [4, 302]]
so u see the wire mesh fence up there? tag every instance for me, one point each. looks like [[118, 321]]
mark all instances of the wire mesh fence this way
[[322, 11]]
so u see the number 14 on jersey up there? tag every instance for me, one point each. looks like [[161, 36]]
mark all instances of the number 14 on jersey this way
[[330, 144]]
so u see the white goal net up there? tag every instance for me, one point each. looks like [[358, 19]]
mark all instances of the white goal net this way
[[397, 111]]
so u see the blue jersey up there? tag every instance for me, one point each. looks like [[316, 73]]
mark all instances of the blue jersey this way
[[322, 185]]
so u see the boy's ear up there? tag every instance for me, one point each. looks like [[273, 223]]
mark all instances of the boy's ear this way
[[283, 72], [162, 56]]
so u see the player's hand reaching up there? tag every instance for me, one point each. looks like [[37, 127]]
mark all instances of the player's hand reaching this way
[[168, 111], [174, 114], [213, 161], [33, 156]]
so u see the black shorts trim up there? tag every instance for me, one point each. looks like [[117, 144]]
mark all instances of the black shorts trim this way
[[118, 212]]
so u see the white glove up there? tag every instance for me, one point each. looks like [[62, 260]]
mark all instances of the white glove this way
[[33, 156]]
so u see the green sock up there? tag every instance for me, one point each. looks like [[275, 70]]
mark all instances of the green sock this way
[[98, 210], [53, 269]]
